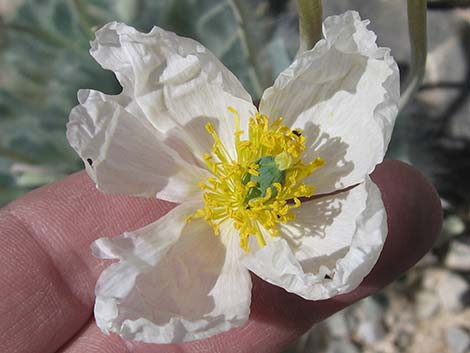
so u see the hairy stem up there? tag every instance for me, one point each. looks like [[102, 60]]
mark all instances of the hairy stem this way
[[310, 23], [418, 36]]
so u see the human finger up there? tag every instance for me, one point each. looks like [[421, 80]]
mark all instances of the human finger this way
[[278, 317]]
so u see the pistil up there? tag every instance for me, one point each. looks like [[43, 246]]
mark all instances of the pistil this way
[[255, 190]]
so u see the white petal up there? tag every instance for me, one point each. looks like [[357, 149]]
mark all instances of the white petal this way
[[175, 282], [344, 93], [177, 83], [137, 57], [338, 236], [125, 154]]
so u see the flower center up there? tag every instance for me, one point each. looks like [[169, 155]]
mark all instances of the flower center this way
[[259, 189]]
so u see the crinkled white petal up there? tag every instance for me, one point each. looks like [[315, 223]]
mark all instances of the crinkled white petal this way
[[331, 246], [125, 154], [344, 93], [175, 282], [178, 84]]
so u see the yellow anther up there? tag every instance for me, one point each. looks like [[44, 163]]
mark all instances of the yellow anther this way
[[225, 196], [278, 187], [253, 172], [210, 128], [297, 202], [269, 194], [277, 122], [251, 184]]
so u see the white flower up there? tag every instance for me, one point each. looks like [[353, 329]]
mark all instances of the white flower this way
[[181, 131]]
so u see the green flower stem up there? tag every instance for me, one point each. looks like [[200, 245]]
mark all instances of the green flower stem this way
[[310, 23], [418, 36], [16, 156]]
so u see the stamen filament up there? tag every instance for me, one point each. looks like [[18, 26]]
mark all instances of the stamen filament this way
[[253, 192]]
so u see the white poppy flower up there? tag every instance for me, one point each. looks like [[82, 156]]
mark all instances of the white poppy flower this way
[[185, 130]]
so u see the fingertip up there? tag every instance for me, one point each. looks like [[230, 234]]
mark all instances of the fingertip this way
[[414, 215], [414, 220]]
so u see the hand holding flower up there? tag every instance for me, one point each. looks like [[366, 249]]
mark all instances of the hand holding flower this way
[[48, 274], [184, 130], [283, 192]]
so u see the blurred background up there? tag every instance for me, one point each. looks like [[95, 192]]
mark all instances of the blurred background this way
[[44, 60]]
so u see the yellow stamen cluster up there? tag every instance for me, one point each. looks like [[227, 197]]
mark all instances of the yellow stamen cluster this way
[[227, 192]]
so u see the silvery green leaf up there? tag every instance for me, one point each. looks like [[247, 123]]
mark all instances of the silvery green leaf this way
[[44, 58]]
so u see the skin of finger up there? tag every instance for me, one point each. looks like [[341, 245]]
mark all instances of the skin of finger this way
[[277, 318], [47, 272]]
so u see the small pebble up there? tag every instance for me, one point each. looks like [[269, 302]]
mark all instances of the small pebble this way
[[458, 257], [458, 340]]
